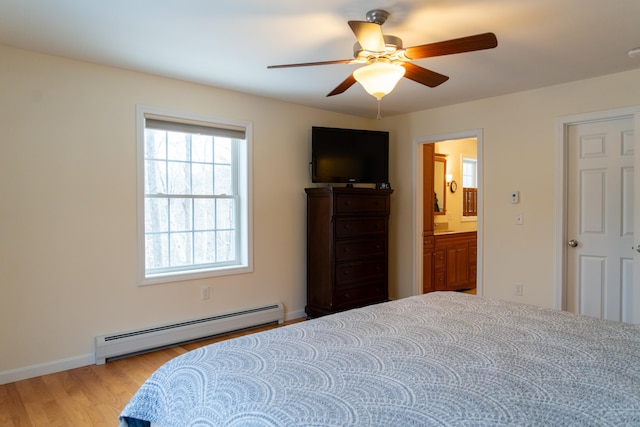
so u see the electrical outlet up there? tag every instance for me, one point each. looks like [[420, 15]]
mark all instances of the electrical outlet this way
[[204, 292], [517, 289], [518, 218]]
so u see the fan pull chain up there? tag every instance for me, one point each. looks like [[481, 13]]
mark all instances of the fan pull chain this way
[[379, 116]]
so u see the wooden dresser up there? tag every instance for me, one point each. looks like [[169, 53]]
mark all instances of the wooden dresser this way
[[347, 248]]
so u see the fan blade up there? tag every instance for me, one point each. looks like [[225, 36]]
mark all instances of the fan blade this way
[[464, 44], [369, 35], [307, 64], [423, 76], [346, 84]]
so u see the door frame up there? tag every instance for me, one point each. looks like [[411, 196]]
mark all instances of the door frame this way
[[418, 142], [562, 182]]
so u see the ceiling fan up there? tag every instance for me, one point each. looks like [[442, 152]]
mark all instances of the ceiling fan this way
[[387, 61]]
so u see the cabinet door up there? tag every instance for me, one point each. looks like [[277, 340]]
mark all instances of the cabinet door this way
[[427, 271], [457, 266], [473, 270], [440, 269], [428, 264]]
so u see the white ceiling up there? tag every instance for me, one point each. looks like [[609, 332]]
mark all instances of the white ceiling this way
[[229, 44]]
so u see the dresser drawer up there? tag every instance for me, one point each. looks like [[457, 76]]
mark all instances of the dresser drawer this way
[[428, 243], [360, 204], [354, 249], [360, 295], [440, 258], [352, 227], [349, 273]]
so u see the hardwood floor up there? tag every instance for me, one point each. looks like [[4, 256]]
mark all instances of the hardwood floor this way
[[89, 396]]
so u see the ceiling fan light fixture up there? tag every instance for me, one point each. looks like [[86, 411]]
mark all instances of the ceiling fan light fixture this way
[[379, 78]]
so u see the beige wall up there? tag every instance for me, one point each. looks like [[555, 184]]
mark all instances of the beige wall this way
[[68, 205], [519, 150], [68, 198]]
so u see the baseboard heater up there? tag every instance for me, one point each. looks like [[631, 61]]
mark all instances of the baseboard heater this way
[[135, 342]]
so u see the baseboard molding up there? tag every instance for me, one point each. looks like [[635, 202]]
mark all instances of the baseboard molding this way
[[46, 368], [293, 315], [79, 361]]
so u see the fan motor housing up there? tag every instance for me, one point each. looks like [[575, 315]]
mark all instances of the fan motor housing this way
[[392, 44]]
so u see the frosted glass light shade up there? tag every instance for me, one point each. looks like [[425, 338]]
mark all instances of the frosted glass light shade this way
[[379, 78]]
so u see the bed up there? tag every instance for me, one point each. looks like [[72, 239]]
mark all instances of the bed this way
[[439, 359]]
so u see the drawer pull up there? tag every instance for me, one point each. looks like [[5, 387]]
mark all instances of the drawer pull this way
[[346, 250]]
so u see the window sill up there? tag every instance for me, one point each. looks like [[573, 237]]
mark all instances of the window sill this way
[[193, 275]]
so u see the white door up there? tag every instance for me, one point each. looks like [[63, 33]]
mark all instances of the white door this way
[[600, 223]]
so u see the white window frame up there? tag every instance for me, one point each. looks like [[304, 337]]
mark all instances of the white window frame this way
[[244, 178]]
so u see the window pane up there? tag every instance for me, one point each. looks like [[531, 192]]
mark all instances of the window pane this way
[[202, 178], [205, 247], [180, 215], [156, 215], [178, 146], [223, 184], [155, 179], [469, 173], [156, 250], [179, 178], [222, 153], [225, 246], [204, 214], [202, 148], [155, 144], [181, 249], [224, 214]]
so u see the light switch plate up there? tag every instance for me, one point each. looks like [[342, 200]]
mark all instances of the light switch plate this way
[[515, 197]]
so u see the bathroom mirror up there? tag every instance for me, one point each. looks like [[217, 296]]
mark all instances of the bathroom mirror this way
[[439, 184]]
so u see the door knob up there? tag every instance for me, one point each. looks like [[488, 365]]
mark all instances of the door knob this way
[[638, 248], [573, 243]]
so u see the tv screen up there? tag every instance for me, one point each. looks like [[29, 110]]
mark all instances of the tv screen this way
[[349, 155]]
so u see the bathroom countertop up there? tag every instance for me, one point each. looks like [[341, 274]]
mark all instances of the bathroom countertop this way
[[437, 232]]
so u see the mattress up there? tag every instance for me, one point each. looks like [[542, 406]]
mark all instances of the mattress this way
[[439, 359]]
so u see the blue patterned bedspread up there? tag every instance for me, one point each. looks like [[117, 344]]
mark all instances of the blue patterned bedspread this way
[[432, 360]]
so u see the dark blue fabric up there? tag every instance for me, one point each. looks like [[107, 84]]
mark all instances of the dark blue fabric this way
[[134, 422]]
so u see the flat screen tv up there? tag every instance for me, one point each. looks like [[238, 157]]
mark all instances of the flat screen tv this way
[[349, 155]]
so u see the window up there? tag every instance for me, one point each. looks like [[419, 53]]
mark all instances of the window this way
[[469, 173], [193, 196], [469, 187]]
